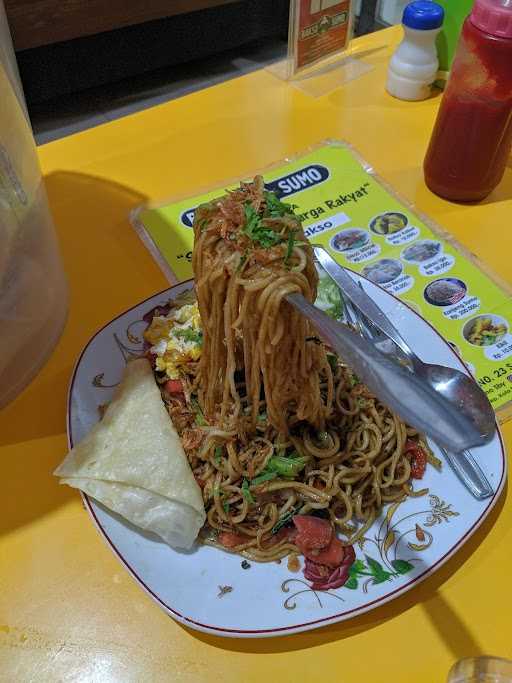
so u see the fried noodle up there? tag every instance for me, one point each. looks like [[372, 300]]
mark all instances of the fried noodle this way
[[284, 426]]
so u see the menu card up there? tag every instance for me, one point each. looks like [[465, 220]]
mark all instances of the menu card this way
[[365, 227]]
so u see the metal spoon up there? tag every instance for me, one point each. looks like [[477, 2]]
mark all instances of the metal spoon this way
[[463, 463], [456, 387], [404, 392]]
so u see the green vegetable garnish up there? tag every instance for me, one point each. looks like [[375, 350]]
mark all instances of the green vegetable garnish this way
[[202, 222], [217, 455], [262, 417], [257, 232], [284, 520], [333, 361], [354, 379], [328, 298], [275, 207], [241, 264], [190, 335], [286, 465], [246, 492], [289, 246], [252, 220], [263, 477], [221, 495], [199, 417]]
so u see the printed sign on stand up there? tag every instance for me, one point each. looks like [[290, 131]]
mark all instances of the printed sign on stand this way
[[319, 29]]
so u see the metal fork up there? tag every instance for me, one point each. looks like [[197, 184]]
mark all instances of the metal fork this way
[[463, 464]]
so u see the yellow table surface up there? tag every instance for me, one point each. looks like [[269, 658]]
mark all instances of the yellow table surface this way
[[68, 610]]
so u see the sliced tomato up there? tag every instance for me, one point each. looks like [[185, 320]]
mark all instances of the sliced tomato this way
[[313, 533], [332, 556], [174, 386], [418, 459], [230, 539]]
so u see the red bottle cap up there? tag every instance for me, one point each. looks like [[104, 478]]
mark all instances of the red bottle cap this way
[[493, 17]]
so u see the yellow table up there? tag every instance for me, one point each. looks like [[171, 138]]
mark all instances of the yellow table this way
[[68, 610]]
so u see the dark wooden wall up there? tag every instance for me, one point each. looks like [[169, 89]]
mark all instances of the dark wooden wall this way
[[43, 22]]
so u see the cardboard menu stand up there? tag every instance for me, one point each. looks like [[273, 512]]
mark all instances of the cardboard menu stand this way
[[319, 30], [318, 58]]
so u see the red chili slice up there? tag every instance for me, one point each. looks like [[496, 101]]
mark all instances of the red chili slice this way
[[174, 386], [418, 459]]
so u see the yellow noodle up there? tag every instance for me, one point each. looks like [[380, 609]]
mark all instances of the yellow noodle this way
[[267, 390]]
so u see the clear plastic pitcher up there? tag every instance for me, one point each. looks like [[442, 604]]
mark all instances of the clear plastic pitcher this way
[[481, 670], [33, 294]]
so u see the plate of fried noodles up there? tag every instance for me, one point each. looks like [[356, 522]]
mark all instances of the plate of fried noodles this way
[[319, 503]]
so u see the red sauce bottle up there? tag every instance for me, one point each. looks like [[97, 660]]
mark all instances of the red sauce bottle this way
[[472, 136]]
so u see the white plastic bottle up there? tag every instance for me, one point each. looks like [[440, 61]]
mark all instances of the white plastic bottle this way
[[413, 67]]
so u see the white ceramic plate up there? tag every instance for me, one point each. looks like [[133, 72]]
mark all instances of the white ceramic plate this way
[[410, 541]]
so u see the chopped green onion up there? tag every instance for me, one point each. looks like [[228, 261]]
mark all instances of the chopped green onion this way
[[241, 263], [289, 247], [284, 520], [287, 465], [199, 417], [246, 492], [202, 224], [263, 477], [333, 361], [225, 506], [190, 335], [256, 231], [217, 455], [275, 207]]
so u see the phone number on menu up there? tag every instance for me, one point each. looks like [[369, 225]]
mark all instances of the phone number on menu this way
[[499, 372]]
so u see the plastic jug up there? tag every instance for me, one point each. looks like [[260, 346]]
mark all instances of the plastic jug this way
[[472, 136], [33, 293]]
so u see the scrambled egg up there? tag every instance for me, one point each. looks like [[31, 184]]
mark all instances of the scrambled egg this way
[[176, 339]]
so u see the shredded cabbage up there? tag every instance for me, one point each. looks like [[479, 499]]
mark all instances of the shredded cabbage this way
[[329, 297]]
